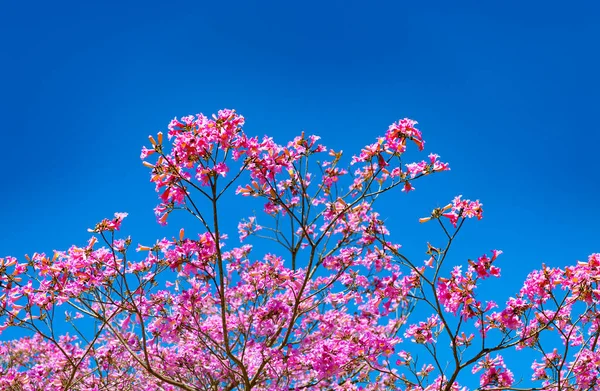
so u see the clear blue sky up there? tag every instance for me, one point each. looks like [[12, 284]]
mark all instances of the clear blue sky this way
[[507, 93]]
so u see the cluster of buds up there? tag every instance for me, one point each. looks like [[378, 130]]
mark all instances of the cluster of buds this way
[[436, 214]]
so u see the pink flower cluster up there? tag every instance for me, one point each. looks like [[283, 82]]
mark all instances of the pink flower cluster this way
[[495, 374], [458, 292], [424, 331]]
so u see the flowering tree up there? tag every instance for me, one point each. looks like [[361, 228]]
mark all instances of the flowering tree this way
[[333, 305]]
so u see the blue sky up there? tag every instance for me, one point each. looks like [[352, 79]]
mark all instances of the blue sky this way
[[507, 93]]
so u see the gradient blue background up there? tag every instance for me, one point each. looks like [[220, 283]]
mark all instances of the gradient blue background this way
[[507, 93]]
